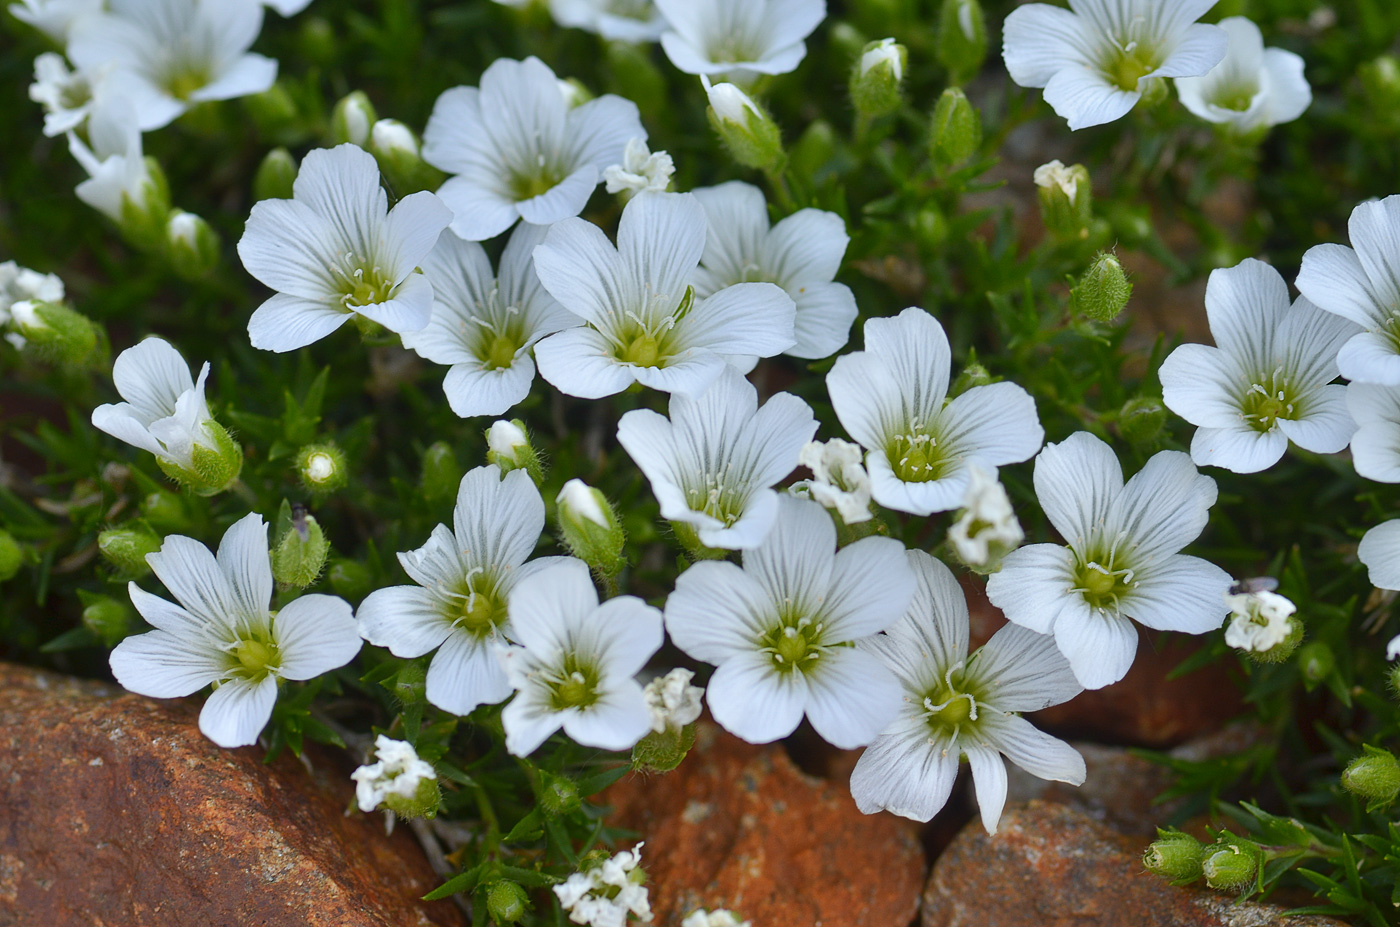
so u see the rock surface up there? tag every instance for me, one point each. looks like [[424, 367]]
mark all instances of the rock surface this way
[[1052, 866], [740, 827], [115, 810]]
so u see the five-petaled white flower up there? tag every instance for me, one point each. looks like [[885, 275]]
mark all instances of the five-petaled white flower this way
[[575, 662], [336, 250], [645, 322], [465, 575], [958, 705], [1122, 559], [485, 324], [173, 54], [618, 20], [801, 254], [517, 150], [1253, 87], [1096, 59], [739, 39], [779, 629], [222, 633], [1267, 382], [1362, 285], [712, 465], [890, 398]]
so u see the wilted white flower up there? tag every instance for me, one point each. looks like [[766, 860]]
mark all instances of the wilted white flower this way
[[672, 700], [604, 895], [641, 170], [1054, 174], [396, 772], [223, 633], [739, 40], [987, 529], [20, 284], [1259, 621], [1253, 87], [839, 480]]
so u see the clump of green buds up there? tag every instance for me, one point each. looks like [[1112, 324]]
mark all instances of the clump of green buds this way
[[1066, 200], [590, 528], [1175, 857], [957, 129], [962, 39], [1231, 865], [508, 447], [1103, 291], [192, 246], [106, 617], [53, 332], [877, 79], [352, 119], [506, 901], [126, 548], [11, 556], [322, 467], [276, 175], [744, 127], [400, 157], [1374, 776], [301, 550]]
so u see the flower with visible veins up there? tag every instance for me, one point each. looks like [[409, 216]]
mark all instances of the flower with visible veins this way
[[739, 39], [1253, 87]]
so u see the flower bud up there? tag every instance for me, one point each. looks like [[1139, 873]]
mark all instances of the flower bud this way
[[192, 247], [441, 473], [166, 511], [877, 77], [399, 154], [815, 150], [397, 781], [53, 333], [1103, 291], [931, 227], [1374, 776], [211, 469], [141, 216], [1380, 85], [273, 111], [664, 751], [275, 176], [322, 467], [352, 119], [506, 902], [957, 129], [508, 447], [573, 91], [108, 618], [317, 40], [1229, 867], [410, 684], [11, 556], [973, 374], [558, 794], [1066, 200], [962, 39], [1175, 857], [300, 554], [1315, 662], [126, 548], [590, 527], [1141, 419], [349, 579], [747, 131]]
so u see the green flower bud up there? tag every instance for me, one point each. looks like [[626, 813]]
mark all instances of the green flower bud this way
[[317, 40], [53, 333], [957, 129], [506, 902], [508, 447], [973, 374], [877, 78], [11, 556], [558, 794], [398, 152], [350, 579], [273, 110], [662, 751], [962, 39], [141, 217], [275, 176], [410, 684], [322, 467], [1380, 84], [1374, 776], [1066, 200], [813, 155], [166, 511], [1230, 867], [441, 473], [931, 226], [1103, 291], [108, 618], [211, 469], [1175, 857], [126, 548], [300, 554], [747, 131], [1141, 419], [590, 527], [352, 119], [1316, 662], [192, 247]]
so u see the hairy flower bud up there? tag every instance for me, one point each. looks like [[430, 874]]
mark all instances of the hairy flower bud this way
[[590, 527], [322, 467], [1103, 291], [300, 554], [275, 176], [747, 131], [508, 447], [53, 332], [877, 78], [1066, 200], [1374, 776], [1229, 867], [1175, 857], [1316, 661], [506, 901], [211, 469], [957, 129], [192, 246], [558, 794], [108, 618], [352, 119], [962, 39], [126, 548]]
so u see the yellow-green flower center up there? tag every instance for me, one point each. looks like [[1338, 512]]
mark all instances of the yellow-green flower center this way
[[916, 457], [254, 659], [1129, 63], [500, 352], [363, 286], [794, 644], [185, 81], [1102, 585], [478, 607], [527, 186], [1267, 401], [575, 686]]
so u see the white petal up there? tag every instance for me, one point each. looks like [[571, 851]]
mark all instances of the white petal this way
[[1245, 305], [341, 184], [989, 778], [1100, 646], [159, 664], [151, 376], [745, 534], [472, 390], [903, 773], [1038, 40], [796, 563], [1375, 448], [691, 372], [717, 612], [1239, 448], [238, 711], [406, 619], [1326, 426], [746, 318], [465, 675], [581, 269], [1033, 585], [628, 634], [546, 607], [851, 698], [1024, 671], [290, 247], [1290, 94], [167, 616], [996, 424], [410, 231], [1084, 97], [615, 722], [932, 633], [866, 398], [528, 724], [660, 239], [1164, 507], [1201, 49], [598, 131], [119, 421], [479, 211], [248, 75], [1332, 277], [497, 522], [1370, 357], [822, 324], [454, 140], [1037, 753], [1076, 482], [1380, 551], [193, 576], [580, 362], [737, 215], [855, 606], [1180, 594], [285, 322], [315, 634], [408, 310], [1199, 384], [522, 111], [562, 201], [806, 247], [243, 557], [752, 700], [1375, 234]]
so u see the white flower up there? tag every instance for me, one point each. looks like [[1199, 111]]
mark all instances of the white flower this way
[[222, 633], [618, 20], [518, 150], [712, 464], [672, 700], [175, 53], [465, 575], [20, 284], [54, 18], [839, 480], [118, 175], [485, 325], [1096, 58], [717, 918], [801, 254], [1121, 561], [1054, 174], [1267, 382], [890, 398], [1380, 551], [885, 50], [987, 528], [1253, 87], [165, 411], [645, 323], [641, 171], [957, 705], [579, 498], [1375, 448], [778, 630], [604, 895], [1362, 285], [575, 662], [1259, 621], [335, 249], [397, 771], [739, 40], [68, 97]]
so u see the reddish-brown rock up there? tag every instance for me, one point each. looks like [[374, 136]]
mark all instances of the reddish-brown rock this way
[[115, 810], [1051, 866], [740, 827]]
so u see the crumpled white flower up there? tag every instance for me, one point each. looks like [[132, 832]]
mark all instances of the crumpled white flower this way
[[641, 170], [672, 700], [1259, 621], [118, 177], [839, 480], [987, 528], [397, 771], [585, 894], [1253, 87], [719, 917], [20, 284], [68, 97]]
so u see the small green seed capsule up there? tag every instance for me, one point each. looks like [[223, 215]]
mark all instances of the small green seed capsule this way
[[1229, 867], [322, 467], [1374, 776], [957, 129], [126, 548], [300, 554], [1175, 857], [1141, 419], [558, 794], [108, 618], [506, 902], [1103, 291]]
